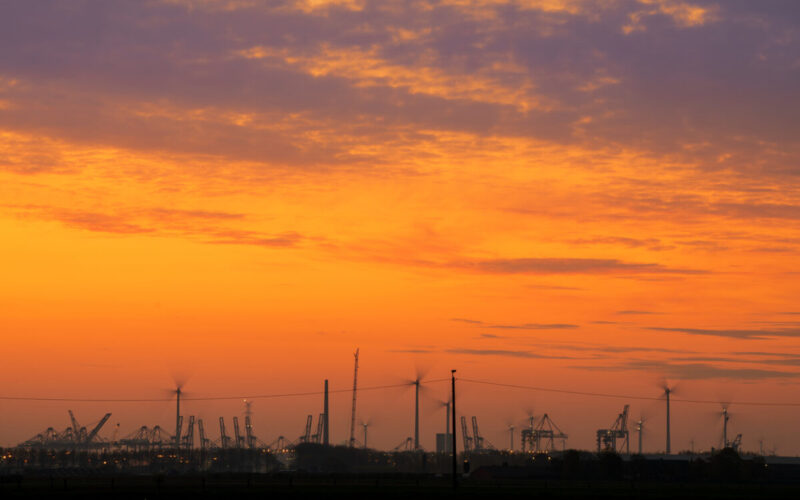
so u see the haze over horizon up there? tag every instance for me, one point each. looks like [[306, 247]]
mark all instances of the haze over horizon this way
[[584, 195]]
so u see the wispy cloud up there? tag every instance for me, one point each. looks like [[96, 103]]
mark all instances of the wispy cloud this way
[[744, 334], [552, 287], [238, 237], [199, 225], [567, 266], [649, 243], [694, 371], [99, 222], [506, 353], [517, 326], [609, 349]]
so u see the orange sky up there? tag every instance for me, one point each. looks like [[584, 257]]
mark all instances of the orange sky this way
[[583, 195]]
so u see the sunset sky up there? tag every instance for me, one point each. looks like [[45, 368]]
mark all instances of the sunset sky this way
[[585, 195]]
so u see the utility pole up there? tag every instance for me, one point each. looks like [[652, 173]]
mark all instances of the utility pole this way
[[453, 401], [325, 435]]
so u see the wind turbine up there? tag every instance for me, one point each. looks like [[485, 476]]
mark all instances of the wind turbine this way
[[178, 421], [417, 385], [667, 391], [416, 413], [178, 392], [447, 434]]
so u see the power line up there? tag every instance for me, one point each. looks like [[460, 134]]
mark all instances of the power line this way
[[206, 398], [392, 386], [560, 391], [622, 396]]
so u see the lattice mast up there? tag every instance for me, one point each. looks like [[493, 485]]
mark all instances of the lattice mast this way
[[353, 412]]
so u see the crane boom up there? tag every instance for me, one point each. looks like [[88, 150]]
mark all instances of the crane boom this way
[[307, 433], [202, 432], [237, 436], [465, 434], [223, 438], [476, 435], [76, 428], [189, 437], [318, 436], [97, 427]]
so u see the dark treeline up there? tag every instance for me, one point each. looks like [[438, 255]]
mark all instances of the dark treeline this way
[[312, 459], [165, 461], [722, 466]]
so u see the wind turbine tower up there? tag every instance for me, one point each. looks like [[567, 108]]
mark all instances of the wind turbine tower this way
[[416, 414], [667, 392], [178, 417], [325, 431]]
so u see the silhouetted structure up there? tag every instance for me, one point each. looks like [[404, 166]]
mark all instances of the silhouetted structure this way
[[607, 439], [353, 413]]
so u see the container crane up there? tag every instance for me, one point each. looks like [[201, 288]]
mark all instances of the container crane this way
[[178, 427], [317, 437], [76, 428], [237, 435], [306, 437], [204, 442], [542, 437], [607, 438], [477, 439], [224, 440], [465, 434], [188, 439]]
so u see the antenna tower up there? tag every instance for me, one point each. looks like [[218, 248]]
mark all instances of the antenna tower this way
[[353, 413]]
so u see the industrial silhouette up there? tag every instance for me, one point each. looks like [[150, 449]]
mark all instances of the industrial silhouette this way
[[245, 451]]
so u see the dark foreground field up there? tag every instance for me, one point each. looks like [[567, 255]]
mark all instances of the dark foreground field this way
[[285, 486]]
